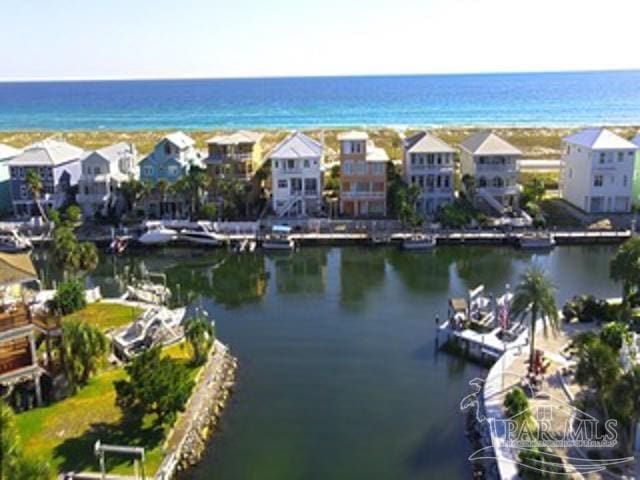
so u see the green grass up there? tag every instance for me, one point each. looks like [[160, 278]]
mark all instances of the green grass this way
[[64, 432], [106, 316]]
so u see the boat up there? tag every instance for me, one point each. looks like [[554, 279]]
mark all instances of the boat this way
[[536, 241], [419, 242], [279, 239], [200, 234], [12, 242], [148, 292], [157, 234], [156, 326]]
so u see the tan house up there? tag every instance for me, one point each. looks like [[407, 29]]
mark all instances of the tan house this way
[[19, 327], [363, 176], [238, 155]]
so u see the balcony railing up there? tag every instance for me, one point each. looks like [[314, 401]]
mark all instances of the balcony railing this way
[[19, 316], [230, 157], [352, 194]]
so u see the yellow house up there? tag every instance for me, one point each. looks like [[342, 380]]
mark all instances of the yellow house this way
[[238, 155]]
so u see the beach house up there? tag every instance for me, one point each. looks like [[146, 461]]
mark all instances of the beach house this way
[[20, 329], [296, 176], [363, 176], [598, 171], [170, 159], [7, 152], [237, 155], [428, 162], [103, 171], [58, 165], [636, 172], [489, 165]]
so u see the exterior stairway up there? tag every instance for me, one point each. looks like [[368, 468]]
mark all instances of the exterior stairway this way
[[491, 201]]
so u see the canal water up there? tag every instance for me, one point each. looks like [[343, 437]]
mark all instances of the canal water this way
[[338, 374]]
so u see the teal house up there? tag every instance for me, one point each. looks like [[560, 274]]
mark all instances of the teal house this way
[[169, 160], [6, 153]]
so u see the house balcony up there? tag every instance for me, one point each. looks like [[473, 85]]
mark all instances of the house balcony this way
[[499, 168], [18, 320], [217, 158], [363, 195]]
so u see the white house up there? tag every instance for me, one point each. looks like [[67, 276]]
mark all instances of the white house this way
[[58, 165], [636, 172], [597, 173], [428, 162], [296, 173], [493, 163], [103, 171]]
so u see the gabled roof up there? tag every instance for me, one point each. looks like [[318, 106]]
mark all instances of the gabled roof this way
[[297, 145], [599, 139], [426, 142], [636, 140], [353, 135], [180, 139], [376, 154], [241, 136], [7, 151], [49, 152], [113, 153], [16, 268], [488, 143]]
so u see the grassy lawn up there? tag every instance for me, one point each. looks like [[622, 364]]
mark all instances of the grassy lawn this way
[[106, 316], [64, 432]]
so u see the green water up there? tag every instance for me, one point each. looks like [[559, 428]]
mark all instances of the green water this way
[[339, 377]]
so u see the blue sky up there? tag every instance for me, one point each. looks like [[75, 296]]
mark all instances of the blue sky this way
[[43, 39]]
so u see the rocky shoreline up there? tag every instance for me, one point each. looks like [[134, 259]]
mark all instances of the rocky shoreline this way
[[189, 438]]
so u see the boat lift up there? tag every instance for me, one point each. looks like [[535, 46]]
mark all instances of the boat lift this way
[[100, 449]]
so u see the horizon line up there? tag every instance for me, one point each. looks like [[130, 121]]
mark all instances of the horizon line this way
[[276, 77]]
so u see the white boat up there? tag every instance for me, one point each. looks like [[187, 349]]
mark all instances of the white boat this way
[[200, 234], [11, 241], [157, 234], [156, 326], [279, 239], [419, 241], [149, 293], [536, 241]]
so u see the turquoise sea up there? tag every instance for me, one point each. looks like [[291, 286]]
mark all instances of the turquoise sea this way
[[533, 99]]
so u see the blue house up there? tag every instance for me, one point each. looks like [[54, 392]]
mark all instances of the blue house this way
[[169, 160], [58, 164]]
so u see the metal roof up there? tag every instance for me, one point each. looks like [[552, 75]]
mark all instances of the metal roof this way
[[297, 145], [426, 142], [488, 143], [49, 152], [599, 139]]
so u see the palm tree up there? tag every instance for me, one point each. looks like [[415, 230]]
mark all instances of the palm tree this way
[[81, 350], [469, 184], [34, 184], [534, 294], [200, 333], [626, 398], [132, 191], [162, 187], [625, 267]]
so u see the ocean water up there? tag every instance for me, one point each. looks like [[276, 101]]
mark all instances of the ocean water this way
[[534, 99]]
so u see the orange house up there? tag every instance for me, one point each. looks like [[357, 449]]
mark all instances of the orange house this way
[[363, 176]]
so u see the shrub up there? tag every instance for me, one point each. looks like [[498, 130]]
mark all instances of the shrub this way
[[156, 385], [69, 298], [614, 333]]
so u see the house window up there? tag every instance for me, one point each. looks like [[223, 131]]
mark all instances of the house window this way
[[291, 164], [347, 167], [173, 171], [167, 148], [276, 164], [282, 184], [310, 185], [446, 182], [306, 163], [602, 157], [147, 171], [624, 181], [377, 168], [23, 191], [620, 156], [598, 181], [14, 172]]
